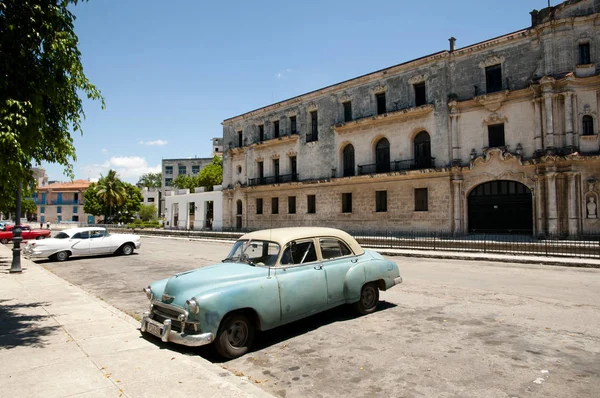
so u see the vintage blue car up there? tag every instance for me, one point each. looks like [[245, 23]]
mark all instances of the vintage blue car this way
[[270, 278]]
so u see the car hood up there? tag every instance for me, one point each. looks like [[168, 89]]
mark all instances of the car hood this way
[[183, 286]]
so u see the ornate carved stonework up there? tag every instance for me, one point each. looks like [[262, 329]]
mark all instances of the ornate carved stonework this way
[[492, 102], [311, 106], [290, 113], [471, 183], [292, 153], [494, 60], [379, 89], [344, 98], [587, 110], [274, 155], [260, 159], [494, 118], [417, 79], [494, 154]]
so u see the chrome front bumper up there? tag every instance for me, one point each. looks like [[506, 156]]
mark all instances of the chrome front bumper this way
[[397, 280], [167, 335]]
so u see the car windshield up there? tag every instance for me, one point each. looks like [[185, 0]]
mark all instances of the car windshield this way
[[61, 235], [254, 252]]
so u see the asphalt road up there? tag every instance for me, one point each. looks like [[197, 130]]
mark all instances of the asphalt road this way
[[452, 329]]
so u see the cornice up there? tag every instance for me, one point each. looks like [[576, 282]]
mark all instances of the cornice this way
[[419, 111], [274, 142]]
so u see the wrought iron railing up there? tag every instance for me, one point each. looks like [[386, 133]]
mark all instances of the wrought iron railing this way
[[397, 165], [280, 179]]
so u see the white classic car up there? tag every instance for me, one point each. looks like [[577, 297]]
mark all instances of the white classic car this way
[[87, 241]]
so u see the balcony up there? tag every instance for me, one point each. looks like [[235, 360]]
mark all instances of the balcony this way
[[280, 179], [397, 165], [267, 142], [389, 117], [64, 202]]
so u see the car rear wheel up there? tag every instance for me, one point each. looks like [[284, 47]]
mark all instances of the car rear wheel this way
[[4, 241], [127, 249], [40, 237], [235, 336], [61, 256], [369, 297]]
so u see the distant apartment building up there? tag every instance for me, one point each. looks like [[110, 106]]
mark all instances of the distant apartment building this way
[[172, 168], [151, 197], [62, 202]]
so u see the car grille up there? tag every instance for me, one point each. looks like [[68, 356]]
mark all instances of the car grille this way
[[160, 313]]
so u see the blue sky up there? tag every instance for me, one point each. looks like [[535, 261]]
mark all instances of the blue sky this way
[[171, 72]]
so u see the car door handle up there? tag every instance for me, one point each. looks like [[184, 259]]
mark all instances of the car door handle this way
[[354, 260], [320, 266]]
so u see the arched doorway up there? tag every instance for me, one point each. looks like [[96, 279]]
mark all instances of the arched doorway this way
[[348, 156], [238, 216], [501, 207], [382, 156], [422, 149]]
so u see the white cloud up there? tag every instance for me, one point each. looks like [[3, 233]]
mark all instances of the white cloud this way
[[105, 151], [128, 168], [283, 73], [155, 142]]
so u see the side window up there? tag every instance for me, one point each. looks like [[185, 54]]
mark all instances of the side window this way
[[332, 248], [84, 234], [77, 235], [299, 253], [96, 234]]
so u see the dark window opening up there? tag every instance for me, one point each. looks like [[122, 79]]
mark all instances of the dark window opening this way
[[314, 127], [294, 168], [291, 204], [420, 98], [496, 135], [276, 169], [276, 129], [382, 156], [311, 204], [293, 127], [240, 139], [346, 203], [381, 109], [348, 157], [261, 170], [422, 148], [493, 78], [588, 125], [381, 201], [347, 111], [261, 132], [421, 202], [584, 54], [259, 206], [274, 205]]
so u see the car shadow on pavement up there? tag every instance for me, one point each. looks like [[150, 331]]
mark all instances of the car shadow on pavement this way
[[98, 257], [275, 336], [18, 327]]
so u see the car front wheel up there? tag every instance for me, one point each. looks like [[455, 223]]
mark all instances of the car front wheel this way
[[235, 336], [369, 297], [127, 249], [61, 256], [4, 241]]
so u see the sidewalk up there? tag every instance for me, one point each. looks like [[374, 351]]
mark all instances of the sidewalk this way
[[58, 341]]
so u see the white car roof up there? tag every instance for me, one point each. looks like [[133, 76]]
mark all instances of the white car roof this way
[[285, 235], [73, 231]]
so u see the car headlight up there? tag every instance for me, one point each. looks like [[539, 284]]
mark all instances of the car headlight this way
[[149, 292], [193, 304]]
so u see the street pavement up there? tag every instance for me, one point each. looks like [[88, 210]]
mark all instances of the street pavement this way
[[56, 340]]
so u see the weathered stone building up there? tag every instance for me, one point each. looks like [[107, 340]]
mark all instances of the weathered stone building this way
[[501, 135]]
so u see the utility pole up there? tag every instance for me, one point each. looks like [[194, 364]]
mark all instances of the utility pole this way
[[16, 260]]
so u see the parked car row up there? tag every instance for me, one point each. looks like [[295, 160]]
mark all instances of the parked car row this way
[[27, 233]]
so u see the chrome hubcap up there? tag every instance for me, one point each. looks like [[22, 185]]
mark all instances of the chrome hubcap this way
[[237, 334]]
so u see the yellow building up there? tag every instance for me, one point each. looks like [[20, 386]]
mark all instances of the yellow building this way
[[63, 202]]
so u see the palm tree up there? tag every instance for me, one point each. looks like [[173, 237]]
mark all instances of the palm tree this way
[[112, 192]]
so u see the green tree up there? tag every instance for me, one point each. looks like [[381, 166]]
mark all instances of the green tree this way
[[150, 180], [111, 193], [91, 203], [185, 181], [133, 201], [147, 212], [41, 78], [212, 174]]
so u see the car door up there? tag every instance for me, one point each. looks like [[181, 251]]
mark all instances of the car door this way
[[80, 243], [99, 242], [301, 281], [26, 233], [337, 260]]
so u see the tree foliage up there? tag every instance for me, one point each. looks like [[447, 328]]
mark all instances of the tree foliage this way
[[208, 177], [150, 180], [41, 78], [147, 212], [112, 198]]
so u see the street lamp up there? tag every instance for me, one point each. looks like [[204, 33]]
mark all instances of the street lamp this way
[[16, 260]]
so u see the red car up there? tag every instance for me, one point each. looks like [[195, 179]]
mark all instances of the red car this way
[[6, 234]]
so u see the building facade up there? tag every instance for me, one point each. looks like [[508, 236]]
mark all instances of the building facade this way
[[498, 136], [200, 210], [61, 202]]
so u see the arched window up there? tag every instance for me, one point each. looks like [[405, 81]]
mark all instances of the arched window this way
[[422, 147], [348, 156], [239, 207], [382, 156], [587, 125]]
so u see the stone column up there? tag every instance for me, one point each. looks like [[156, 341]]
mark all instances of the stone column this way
[[539, 205], [551, 201], [572, 203], [569, 119], [457, 186], [230, 209], [538, 124], [548, 97]]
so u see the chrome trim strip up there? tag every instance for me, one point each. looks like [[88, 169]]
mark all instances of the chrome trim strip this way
[[190, 340], [172, 308], [398, 280]]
